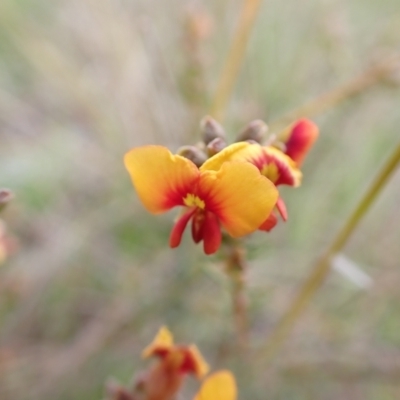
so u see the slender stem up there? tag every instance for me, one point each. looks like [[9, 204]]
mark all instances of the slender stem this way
[[234, 59], [322, 267], [370, 77], [236, 267]]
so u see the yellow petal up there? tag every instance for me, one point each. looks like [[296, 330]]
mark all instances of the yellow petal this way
[[273, 163], [239, 195], [162, 342], [219, 386], [161, 179], [240, 151]]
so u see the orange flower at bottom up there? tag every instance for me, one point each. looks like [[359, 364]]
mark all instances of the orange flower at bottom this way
[[235, 195], [165, 378], [185, 359]]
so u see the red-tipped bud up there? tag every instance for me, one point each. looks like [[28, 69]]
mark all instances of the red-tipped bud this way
[[301, 138]]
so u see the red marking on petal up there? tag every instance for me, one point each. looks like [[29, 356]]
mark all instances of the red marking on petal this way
[[161, 352], [269, 223], [161, 179], [192, 361], [211, 233], [179, 227], [188, 364], [280, 168], [198, 225], [303, 135], [281, 206]]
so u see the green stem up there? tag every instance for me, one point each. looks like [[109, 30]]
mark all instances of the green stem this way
[[236, 268], [322, 267]]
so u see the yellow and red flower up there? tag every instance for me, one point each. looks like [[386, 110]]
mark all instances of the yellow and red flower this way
[[182, 359], [234, 195], [279, 167], [165, 378]]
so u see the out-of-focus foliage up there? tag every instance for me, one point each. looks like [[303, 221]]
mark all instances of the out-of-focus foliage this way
[[93, 278]]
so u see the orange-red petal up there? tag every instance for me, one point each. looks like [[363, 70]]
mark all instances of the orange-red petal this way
[[193, 361], [220, 385], [198, 225], [161, 179], [239, 196], [301, 138], [281, 206], [179, 227], [269, 223], [211, 233]]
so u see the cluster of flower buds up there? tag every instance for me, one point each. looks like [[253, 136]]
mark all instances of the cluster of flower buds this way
[[219, 185], [164, 379]]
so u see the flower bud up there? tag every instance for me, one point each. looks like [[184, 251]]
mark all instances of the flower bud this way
[[215, 146], [255, 130], [301, 138], [194, 154], [211, 129]]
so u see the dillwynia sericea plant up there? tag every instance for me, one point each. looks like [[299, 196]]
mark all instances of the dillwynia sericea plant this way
[[224, 191]]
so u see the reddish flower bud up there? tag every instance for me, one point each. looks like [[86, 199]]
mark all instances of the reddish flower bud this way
[[301, 138]]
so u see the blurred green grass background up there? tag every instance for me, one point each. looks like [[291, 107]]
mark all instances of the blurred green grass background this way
[[93, 278]]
